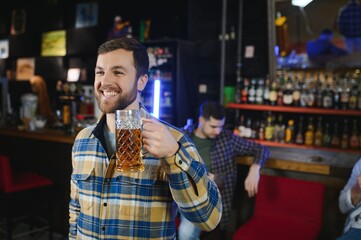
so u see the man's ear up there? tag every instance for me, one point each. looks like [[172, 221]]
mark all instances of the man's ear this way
[[142, 82]]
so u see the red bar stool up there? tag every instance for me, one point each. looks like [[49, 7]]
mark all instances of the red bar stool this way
[[22, 197]]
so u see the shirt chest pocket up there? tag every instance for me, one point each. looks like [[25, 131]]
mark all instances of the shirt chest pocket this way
[[88, 189], [142, 197]]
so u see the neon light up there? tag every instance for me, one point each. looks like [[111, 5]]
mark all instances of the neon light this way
[[156, 98]]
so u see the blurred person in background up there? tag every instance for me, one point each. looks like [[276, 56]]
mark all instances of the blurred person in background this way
[[219, 149]]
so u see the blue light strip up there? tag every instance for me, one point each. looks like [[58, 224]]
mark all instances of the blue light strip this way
[[156, 98]]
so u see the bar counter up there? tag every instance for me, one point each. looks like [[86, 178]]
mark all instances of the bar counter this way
[[317, 162], [42, 134]]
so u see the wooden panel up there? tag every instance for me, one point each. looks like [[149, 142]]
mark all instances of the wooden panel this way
[[289, 165]]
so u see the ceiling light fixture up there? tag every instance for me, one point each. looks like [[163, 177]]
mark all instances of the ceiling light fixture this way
[[301, 3]]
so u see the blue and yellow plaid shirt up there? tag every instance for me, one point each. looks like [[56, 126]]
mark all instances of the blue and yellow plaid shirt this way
[[106, 204]]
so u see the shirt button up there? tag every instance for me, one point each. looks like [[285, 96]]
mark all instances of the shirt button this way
[[103, 228], [180, 162], [105, 204], [108, 180]]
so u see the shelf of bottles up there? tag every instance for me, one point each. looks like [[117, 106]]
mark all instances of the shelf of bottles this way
[[310, 111]]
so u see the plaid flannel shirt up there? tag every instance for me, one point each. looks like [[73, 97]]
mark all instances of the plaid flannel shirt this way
[[105, 204], [225, 148], [349, 20]]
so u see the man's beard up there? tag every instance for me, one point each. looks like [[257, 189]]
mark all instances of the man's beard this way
[[124, 101]]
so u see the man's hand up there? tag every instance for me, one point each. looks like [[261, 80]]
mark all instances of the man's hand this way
[[252, 179], [356, 192], [157, 139]]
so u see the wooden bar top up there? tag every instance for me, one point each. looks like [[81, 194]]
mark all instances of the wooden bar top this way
[[290, 165], [42, 134], [278, 160]]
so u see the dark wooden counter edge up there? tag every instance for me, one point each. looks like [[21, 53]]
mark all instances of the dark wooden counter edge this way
[[290, 165], [281, 164], [43, 134]]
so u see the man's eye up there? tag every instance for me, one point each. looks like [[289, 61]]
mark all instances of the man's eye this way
[[118, 73], [99, 72]]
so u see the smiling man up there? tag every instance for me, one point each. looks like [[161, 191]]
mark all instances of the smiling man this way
[[106, 204]]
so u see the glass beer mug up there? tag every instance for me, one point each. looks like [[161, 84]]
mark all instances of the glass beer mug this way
[[128, 135]]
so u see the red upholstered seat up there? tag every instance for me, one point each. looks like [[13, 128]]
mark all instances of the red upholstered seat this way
[[285, 208], [18, 187]]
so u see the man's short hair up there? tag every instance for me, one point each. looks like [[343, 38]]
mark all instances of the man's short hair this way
[[213, 109]]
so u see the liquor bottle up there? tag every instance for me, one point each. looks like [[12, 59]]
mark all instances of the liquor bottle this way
[[352, 100], [296, 95], [318, 93], [327, 97], [345, 135], [336, 94], [269, 128], [288, 93], [318, 133], [290, 131], [304, 95], [254, 129], [310, 132], [311, 96], [335, 140], [266, 92], [354, 139], [241, 126], [277, 132], [259, 91], [261, 131], [326, 140], [248, 128], [273, 94], [345, 93], [252, 92], [281, 89], [299, 135], [244, 92]]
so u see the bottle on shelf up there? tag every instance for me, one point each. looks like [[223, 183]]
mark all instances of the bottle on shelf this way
[[288, 93], [326, 139], [269, 128], [273, 94], [266, 92], [318, 93], [259, 91], [290, 131], [345, 135], [335, 140], [327, 97], [310, 132], [345, 93], [299, 139], [304, 95], [352, 100], [354, 139], [296, 95], [244, 92], [319, 133], [252, 92], [279, 128], [336, 93]]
